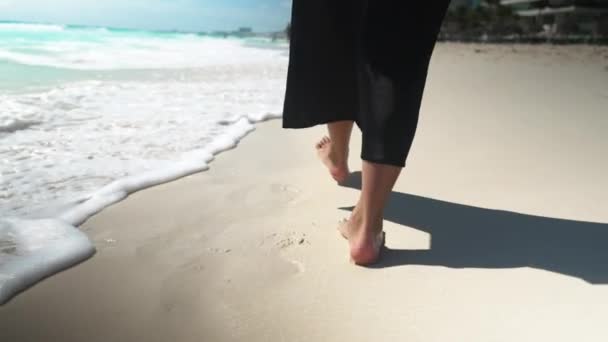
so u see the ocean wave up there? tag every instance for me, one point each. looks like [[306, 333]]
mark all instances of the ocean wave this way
[[25, 27], [14, 125], [31, 250], [103, 48], [117, 52]]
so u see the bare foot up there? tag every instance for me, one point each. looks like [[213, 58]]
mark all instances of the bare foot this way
[[364, 248], [336, 164]]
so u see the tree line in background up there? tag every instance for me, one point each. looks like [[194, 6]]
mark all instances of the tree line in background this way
[[493, 22], [491, 19]]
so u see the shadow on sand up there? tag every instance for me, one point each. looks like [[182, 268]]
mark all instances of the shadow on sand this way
[[464, 236]]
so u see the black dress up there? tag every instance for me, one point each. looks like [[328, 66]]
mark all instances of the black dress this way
[[364, 61]]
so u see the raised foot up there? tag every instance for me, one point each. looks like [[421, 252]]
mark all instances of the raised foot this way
[[335, 162]]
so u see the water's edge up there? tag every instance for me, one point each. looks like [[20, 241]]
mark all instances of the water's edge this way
[[69, 246]]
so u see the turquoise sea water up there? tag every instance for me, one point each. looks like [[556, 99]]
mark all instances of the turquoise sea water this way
[[30, 54], [38, 55]]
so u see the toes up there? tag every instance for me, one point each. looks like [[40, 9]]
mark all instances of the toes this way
[[323, 142]]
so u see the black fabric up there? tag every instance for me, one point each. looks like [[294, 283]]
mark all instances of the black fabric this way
[[364, 61]]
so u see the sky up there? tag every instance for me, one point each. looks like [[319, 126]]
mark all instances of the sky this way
[[187, 15]]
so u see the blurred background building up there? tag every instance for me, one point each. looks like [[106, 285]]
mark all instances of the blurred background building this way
[[527, 20]]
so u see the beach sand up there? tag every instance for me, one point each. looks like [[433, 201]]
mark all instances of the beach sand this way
[[496, 231]]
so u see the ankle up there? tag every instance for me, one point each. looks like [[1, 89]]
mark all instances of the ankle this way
[[338, 156], [368, 231], [365, 225]]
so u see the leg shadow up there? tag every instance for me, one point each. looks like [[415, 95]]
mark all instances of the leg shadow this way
[[465, 236]]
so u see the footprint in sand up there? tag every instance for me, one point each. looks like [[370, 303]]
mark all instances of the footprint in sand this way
[[289, 192], [194, 265], [218, 250], [274, 194], [301, 267], [290, 239]]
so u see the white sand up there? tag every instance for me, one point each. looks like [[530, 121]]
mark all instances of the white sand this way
[[248, 251]]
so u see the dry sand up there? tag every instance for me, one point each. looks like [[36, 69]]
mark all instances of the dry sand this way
[[494, 230]]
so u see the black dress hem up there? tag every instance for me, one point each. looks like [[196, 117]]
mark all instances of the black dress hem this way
[[298, 124]]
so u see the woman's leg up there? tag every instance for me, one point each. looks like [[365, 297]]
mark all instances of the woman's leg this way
[[392, 81], [333, 150], [364, 228]]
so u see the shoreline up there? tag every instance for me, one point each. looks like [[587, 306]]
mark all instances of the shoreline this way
[[67, 246]]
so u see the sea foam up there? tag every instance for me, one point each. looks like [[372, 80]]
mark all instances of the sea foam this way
[[31, 250]]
